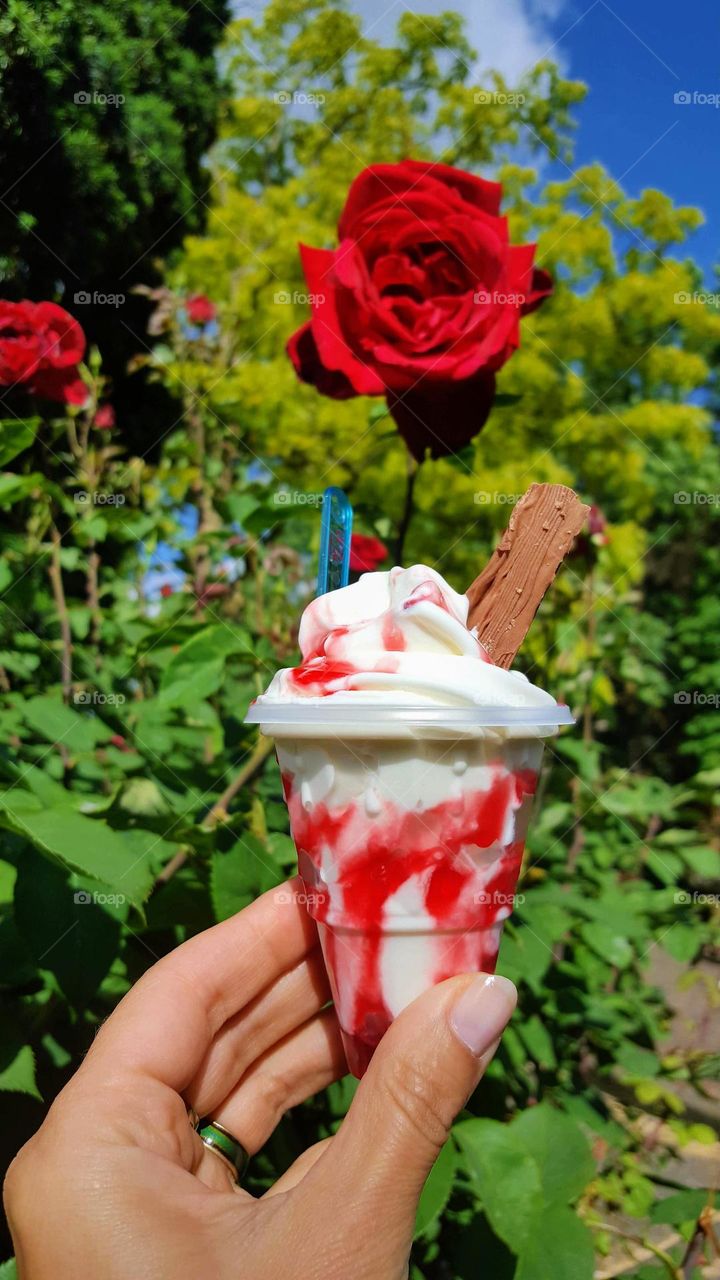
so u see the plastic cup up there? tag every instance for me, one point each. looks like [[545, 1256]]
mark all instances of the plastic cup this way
[[410, 826]]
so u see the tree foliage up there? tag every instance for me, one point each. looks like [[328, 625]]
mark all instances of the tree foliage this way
[[106, 113], [124, 100]]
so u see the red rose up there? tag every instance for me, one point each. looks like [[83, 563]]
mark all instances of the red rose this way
[[421, 302], [366, 553], [41, 346], [199, 309], [104, 418]]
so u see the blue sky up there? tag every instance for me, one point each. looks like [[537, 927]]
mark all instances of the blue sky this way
[[634, 55]]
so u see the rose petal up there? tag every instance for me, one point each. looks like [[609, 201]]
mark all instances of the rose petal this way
[[366, 553], [334, 352], [380, 182], [64, 385], [442, 418], [64, 340], [541, 287], [303, 352]]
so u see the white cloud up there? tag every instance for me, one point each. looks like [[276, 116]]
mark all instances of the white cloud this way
[[508, 35]]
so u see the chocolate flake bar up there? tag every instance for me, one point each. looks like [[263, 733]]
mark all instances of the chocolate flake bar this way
[[505, 597]]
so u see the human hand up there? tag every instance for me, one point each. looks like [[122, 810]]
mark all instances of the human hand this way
[[117, 1185]]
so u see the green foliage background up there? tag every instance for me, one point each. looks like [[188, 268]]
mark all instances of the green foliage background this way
[[128, 775], [97, 191]]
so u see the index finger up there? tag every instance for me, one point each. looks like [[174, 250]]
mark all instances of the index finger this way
[[164, 1026]]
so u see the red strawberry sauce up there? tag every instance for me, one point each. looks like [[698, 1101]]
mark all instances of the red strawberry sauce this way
[[433, 852]]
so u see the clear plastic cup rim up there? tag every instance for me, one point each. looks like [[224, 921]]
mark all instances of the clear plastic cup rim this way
[[330, 715]]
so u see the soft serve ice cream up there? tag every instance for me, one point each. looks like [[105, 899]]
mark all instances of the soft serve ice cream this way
[[409, 830], [398, 637]]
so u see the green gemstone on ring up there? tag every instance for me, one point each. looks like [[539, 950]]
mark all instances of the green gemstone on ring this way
[[214, 1136]]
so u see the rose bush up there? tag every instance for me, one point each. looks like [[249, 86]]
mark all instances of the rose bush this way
[[41, 346], [421, 301]]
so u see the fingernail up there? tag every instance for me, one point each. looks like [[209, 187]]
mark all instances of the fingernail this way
[[483, 1011]]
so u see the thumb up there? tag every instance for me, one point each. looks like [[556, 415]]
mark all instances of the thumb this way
[[420, 1077]]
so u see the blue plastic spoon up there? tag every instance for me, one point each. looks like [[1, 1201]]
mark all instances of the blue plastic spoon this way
[[335, 532]]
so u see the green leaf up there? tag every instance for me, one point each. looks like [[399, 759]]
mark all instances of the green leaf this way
[[80, 619], [196, 670], [591, 1118], [124, 860], [548, 920], [54, 722], [606, 942], [524, 956], [682, 1206], [66, 931], [16, 434], [561, 1248], [183, 902], [666, 866], [505, 1177], [702, 861], [437, 1189], [19, 664], [14, 488], [143, 797], [514, 1048], [241, 506], [584, 755], [683, 941], [16, 963], [96, 526], [560, 1150], [240, 875], [8, 872], [538, 1042], [42, 786], [637, 1061], [282, 848], [59, 1056], [18, 1076]]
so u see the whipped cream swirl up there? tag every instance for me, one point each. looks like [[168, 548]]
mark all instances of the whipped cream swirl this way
[[398, 637]]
